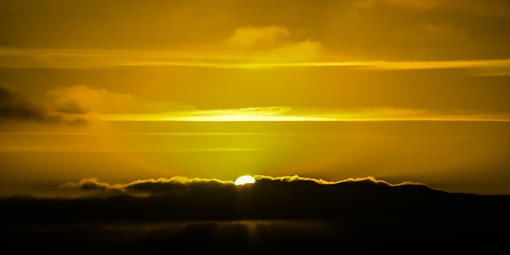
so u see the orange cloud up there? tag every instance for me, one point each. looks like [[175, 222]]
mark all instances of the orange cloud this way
[[257, 38], [272, 43], [83, 99]]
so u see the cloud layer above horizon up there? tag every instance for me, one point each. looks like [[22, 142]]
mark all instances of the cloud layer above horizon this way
[[179, 185]]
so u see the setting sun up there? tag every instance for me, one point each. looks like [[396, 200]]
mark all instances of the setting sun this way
[[245, 180], [293, 126]]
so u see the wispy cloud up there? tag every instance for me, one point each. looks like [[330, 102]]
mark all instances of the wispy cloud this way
[[287, 113], [487, 7], [81, 102], [82, 99], [267, 47], [288, 57]]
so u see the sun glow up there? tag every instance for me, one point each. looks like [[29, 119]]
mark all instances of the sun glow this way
[[287, 113], [244, 180]]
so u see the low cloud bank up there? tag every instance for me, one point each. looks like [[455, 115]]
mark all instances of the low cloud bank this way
[[179, 185], [288, 197]]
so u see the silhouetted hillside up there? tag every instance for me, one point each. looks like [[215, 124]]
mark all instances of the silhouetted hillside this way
[[216, 214]]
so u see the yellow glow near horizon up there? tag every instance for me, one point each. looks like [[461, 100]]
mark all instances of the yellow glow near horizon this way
[[282, 114], [273, 113], [245, 179], [250, 118]]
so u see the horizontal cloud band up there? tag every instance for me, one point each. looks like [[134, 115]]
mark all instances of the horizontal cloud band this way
[[68, 58], [179, 185], [289, 197]]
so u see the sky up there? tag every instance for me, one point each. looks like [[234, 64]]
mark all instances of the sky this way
[[402, 90]]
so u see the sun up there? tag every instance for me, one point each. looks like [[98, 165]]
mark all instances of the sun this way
[[244, 180]]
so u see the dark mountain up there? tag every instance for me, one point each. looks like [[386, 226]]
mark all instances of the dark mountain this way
[[267, 215]]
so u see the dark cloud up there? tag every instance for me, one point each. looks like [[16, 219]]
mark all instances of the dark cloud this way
[[181, 185], [289, 213], [286, 197], [15, 107], [145, 187]]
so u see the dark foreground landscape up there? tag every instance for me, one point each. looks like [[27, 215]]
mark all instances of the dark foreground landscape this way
[[270, 215]]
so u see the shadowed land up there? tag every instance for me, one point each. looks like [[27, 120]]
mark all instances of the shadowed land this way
[[268, 215]]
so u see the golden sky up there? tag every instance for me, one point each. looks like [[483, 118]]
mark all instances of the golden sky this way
[[121, 90]]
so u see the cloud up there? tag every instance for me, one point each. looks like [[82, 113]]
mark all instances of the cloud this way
[[80, 103], [180, 185], [297, 178], [301, 54], [486, 7], [289, 212], [92, 102], [246, 46], [273, 43], [258, 38], [287, 113], [173, 185], [16, 107], [90, 184], [77, 104], [288, 197], [83, 99], [74, 104], [258, 47], [13, 106]]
